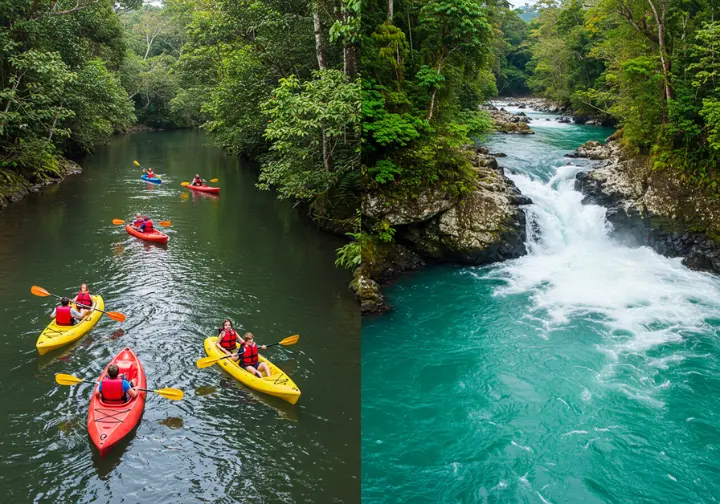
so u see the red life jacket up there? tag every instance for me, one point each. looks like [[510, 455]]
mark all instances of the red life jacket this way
[[150, 174], [84, 299], [138, 222], [148, 226], [62, 316], [229, 340], [197, 182], [112, 390], [250, 355]]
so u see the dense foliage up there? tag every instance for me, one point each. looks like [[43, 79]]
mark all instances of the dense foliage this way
[[651, 64], [59, 86]]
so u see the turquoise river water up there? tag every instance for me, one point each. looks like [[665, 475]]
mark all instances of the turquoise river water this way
[[584, 372]]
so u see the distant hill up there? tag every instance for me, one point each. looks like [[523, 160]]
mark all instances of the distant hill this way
[[527, 12]]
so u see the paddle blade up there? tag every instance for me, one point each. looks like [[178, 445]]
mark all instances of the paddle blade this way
[[184, 184], [165, 223], [66, 379], [170, 393], [213, 180], [206, 362], [39, 291], [117, 222], [290, 340], [136, 163], [116, 316]]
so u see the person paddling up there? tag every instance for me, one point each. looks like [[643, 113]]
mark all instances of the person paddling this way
[[114, 388], [147, 225], [150, 173], [83, 297], [66, 315], [197, 181], [138, 220], [249, 358], [227, 339]]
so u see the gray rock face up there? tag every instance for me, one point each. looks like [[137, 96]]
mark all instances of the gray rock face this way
[[368, 292], [428, 204], [484, 225], [592, 150], [654, 209]]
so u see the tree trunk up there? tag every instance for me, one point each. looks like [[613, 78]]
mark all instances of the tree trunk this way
[[660, 20], [327, 153], [350, 60], [390, 11], [319, 45]]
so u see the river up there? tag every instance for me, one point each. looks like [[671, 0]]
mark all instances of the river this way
[[243, 255], [584, 371]]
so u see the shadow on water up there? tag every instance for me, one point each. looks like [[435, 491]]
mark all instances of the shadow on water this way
[[105, 465], [248, 396]]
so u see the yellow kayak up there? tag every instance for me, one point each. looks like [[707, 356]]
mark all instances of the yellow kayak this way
[[278, 384], [55, 336]]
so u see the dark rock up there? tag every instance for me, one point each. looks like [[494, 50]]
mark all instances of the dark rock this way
[[368, 292]]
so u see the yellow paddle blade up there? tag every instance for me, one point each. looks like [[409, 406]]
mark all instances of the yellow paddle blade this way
[[39, 291], [170, 393], [66, 379], [208, 361], [136, 163], [116, 316], [165, 223], [290, 340], [185, 184], [117, 222], [214, 180]]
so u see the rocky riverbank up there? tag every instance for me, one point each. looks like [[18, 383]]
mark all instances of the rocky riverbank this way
[[482, 226], [652, 208], [565, 113], [15, 186]]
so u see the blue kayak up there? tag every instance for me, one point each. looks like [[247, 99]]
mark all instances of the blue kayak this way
[[155, 180]]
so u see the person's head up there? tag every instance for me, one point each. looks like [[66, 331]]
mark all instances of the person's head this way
[[227, 325], [113, 370], [145, 217], [65, 301], [138, 215], [149, 169], [248, 337], [83, 288], [197, 175]]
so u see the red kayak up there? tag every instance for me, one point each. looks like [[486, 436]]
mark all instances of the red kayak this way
[[205, 189], [153, 236], [108, 423]]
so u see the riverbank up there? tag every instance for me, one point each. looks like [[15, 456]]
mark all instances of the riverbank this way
[[486, 224], [15, 186], [652, 208]]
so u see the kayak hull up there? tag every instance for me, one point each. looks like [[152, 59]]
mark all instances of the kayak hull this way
[[156, 236], [204, 189], [55, 336], [109, 423], [278, 384], [155, 180]]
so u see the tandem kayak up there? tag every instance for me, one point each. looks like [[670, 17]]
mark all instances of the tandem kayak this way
[[278, 384], [153, 236], [55, 336], [205, 189], [155, 180], [109, 422]]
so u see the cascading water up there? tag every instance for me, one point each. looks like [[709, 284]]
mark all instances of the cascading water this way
[[585, 371]]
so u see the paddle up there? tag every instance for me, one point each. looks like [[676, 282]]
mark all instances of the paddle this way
[[168, 393], [118, 222], [209, 361], [39, 291]]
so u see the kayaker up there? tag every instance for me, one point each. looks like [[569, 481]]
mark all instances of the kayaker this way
[[147, 225], [138, 220], [150, 173], [227, 339], [83, 297], [66, 315], [197, 181], [248, 353], [117, 388]]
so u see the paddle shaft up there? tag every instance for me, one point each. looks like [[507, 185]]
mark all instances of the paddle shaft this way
[[266, 346], [78, 304], [136, 388]]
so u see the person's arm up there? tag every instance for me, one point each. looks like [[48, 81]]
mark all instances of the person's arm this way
[[132, 391], [76, 314], [98, 390], [217, 343], [263, 347], [54, 313]]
